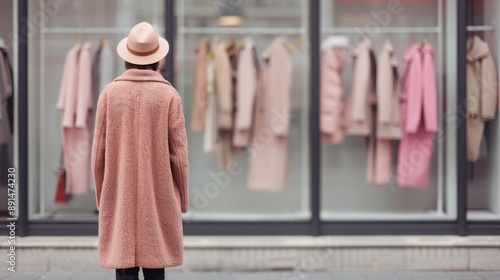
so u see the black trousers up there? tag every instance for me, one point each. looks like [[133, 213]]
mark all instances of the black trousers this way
[[133, 273]]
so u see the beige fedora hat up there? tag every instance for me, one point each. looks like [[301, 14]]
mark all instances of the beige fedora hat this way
[[142, 46]]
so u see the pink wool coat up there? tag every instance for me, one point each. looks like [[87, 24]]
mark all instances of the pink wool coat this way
[[419, 109], [140, 167]]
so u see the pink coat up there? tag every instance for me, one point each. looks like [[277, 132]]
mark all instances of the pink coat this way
[[420, 117], [76, 102], [140, 166], [269, 163], [332, 111]]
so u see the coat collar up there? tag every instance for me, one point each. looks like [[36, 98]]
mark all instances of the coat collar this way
[[335, 42], [412, 52], [276, 45], [202, 47], [366, 44], [388, 46], [138, 75], [476, 48]]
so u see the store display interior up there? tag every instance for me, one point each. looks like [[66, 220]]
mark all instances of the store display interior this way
[[222, 182]]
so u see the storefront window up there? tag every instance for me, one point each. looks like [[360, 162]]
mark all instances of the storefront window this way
[[55, 28], [482, 118], [264, 177], [382, 158], [7, 93]]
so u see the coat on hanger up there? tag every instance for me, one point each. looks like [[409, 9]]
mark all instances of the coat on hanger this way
[[482, 93], [420, 116]]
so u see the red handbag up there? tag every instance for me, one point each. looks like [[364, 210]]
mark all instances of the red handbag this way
[[61, 182]]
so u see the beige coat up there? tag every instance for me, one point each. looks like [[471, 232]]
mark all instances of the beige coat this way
[[198, 113], [140, 167], [388, 119], [388, 95], [224, 89], [362, 98], [482, 93], [269, 163], [246, 89]]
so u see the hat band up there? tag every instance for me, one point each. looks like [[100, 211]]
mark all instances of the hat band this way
[[143, 53]]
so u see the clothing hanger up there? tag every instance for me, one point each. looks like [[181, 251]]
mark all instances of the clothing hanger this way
[[235, 49], [214, 43], [290, 47], [104, 41], [229, 44], [424, 42]]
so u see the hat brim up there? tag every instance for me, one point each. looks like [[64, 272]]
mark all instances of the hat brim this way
[[123, 52]]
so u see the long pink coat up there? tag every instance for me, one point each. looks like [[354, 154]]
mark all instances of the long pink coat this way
[[140, 166], [419, 109], [76, 102], [269, 164]]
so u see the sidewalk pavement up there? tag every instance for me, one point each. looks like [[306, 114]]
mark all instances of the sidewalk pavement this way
[[265, 276]]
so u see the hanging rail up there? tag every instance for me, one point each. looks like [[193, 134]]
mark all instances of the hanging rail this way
[[480, 28], [378, 30], [76, 30], [241, 30]]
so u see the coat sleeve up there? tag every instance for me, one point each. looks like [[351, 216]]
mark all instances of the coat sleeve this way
[[178, 149], [245, 89], [360, 87], [412, 96], [99, 146], [385, 82], [280, 83], [84, 101], [430, 94], [5, 80], [489, 97], [200, 91], [64, 83], [223, 85]]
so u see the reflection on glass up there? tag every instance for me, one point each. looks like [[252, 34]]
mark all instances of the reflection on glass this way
[[482, 111], [382, 157], [243, 63]]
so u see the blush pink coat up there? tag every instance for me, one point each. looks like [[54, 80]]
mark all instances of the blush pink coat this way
[[332, 111], [269, 162], [420, 117], [140, 167], [76, 102]]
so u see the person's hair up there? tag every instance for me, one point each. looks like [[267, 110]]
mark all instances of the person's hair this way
[[153, 66]]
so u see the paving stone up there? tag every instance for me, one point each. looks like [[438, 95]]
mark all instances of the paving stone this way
[[484, 259], [490, 275]]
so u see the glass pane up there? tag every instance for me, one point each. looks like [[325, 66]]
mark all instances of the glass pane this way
[[69, 22], [483, 130], [364, 111], [216, 193], [7, 187]]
